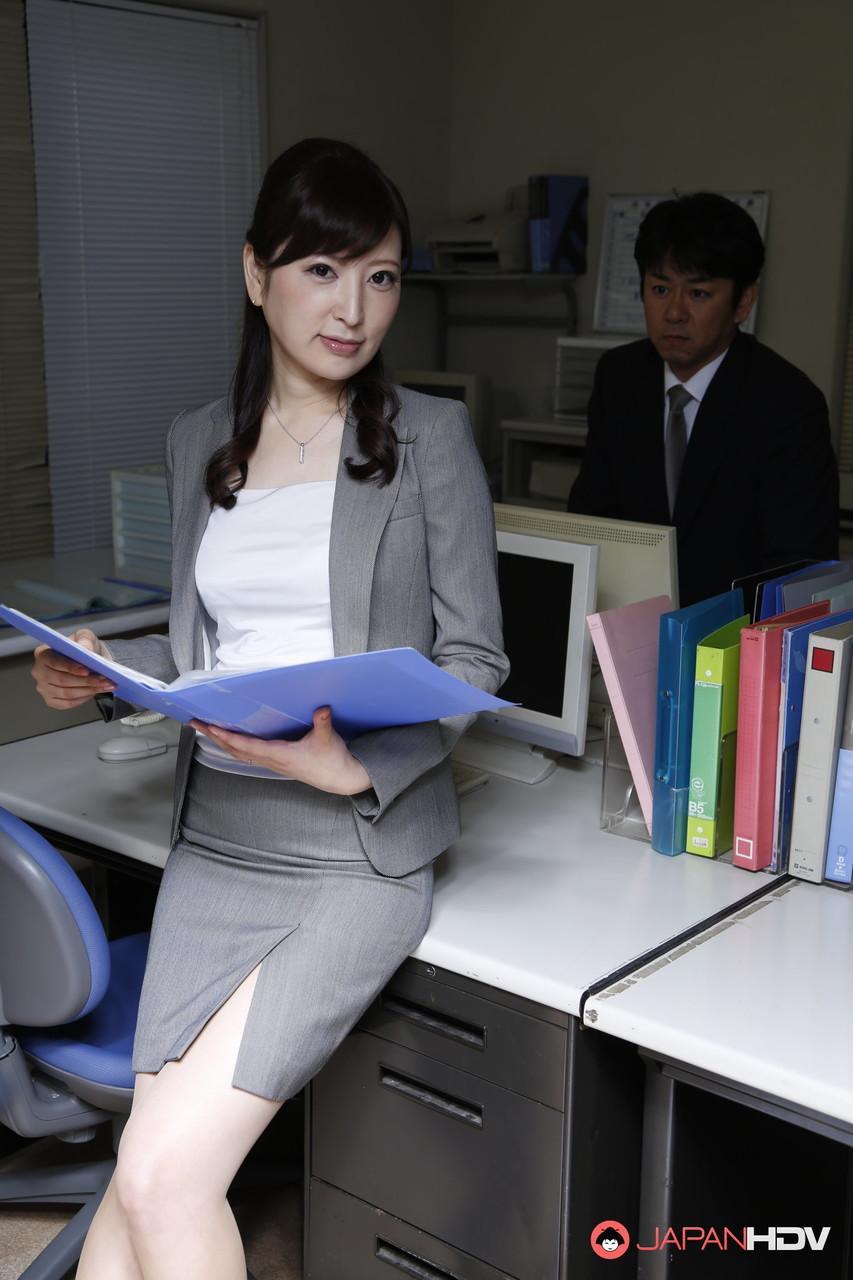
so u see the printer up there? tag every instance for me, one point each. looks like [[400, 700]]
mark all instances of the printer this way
[[488, 242]]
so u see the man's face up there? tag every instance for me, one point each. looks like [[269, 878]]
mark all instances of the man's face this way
[[690, 318]]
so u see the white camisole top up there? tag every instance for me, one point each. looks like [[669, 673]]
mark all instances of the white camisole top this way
[[262, 574]]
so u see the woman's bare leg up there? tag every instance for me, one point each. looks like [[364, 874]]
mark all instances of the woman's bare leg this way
[[187, 1136]]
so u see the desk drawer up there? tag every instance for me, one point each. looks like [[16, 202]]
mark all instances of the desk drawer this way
[[469, 1162], [512, 1049], [351, 1240]]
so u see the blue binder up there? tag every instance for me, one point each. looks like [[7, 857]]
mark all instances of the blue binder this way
[[681, 633], [364, 690], [772, 601], [839, 848], [795, 647]]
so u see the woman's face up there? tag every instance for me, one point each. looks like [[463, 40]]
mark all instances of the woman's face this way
[[327, 316]]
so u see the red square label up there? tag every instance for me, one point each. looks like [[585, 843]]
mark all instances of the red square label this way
[[822, 659]]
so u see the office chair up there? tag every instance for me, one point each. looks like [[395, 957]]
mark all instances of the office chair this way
[[68, 1002]]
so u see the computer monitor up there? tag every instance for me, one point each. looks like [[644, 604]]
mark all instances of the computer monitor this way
[[636, 561], [471, 388], [547, 588]]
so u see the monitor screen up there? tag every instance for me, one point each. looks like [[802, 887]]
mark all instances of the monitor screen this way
[[547, 587], [536, 597]]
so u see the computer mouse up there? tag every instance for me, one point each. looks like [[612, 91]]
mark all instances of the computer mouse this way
[[132, 747]]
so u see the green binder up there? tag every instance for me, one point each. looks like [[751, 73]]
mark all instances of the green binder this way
[[712, 754]]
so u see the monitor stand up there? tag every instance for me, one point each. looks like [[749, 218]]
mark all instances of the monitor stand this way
[[506, 757]]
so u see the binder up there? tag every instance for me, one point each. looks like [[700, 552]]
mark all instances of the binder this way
[[827, 672], [753, 584], [800, 591], [795, 644], [839, 848], [758, 734], [681, 632], [772, 603], [365, 691], [626, 645], [712, 754], [839, 598]]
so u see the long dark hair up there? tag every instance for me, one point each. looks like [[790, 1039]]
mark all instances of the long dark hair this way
[[319, 196]]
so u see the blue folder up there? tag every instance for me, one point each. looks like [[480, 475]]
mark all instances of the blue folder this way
[[364, 690], [772, 601], [681, 633], [795, 648]]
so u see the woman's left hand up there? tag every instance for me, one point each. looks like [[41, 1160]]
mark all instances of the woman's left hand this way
[[321, 758]]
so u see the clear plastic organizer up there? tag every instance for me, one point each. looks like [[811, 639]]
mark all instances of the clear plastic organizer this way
[[620, 807]]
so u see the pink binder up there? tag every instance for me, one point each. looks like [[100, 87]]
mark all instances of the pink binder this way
[[626, 645], [758, 734]]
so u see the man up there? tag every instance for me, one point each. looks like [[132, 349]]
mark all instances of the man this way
[[701, 426]]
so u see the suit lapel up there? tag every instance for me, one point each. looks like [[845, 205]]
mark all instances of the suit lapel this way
[[713, 438], [192, 508], [359, 515]]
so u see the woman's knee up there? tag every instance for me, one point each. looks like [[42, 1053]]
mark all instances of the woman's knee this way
[[152, 1182]]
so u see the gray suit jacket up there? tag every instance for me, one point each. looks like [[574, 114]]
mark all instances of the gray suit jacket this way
[[410, 563]]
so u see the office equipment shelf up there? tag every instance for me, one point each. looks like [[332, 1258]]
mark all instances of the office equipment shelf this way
[[543, 444], [441, 281]]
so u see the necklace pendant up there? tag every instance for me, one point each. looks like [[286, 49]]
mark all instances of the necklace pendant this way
[[301, 452]]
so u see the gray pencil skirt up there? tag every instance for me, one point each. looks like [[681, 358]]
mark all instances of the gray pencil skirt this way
[[272, 874]]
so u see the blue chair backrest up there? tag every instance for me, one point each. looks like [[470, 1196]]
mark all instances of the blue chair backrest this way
[[54, 955]]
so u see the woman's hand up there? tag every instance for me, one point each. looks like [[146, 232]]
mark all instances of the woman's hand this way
[[64, 684], [321, 758]]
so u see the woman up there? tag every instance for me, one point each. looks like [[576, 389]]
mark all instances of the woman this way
[[320, 512]]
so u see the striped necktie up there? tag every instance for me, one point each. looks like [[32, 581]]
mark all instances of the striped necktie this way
[[675, 440]]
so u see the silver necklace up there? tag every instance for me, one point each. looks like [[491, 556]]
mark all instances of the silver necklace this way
[[301, 443]]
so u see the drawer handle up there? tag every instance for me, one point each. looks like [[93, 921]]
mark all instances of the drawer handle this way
[[443, 1102], [409, 1264], [441, 1023]]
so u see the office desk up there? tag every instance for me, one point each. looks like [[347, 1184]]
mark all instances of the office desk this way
[[59, 571], [533, 906], [533, 899], [756, 1010]]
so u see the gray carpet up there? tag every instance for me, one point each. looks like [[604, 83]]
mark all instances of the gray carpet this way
[[270, 1222]]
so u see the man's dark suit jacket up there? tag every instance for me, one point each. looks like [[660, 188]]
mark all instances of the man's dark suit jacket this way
[[759, 486]]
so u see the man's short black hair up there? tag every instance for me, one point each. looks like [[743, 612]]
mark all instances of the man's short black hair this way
[[701, 233]]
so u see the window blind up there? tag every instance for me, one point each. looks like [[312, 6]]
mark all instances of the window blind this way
[[146, 141], [25, 528]]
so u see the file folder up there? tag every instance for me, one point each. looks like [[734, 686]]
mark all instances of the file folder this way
[[839, 848], [752, 585], [824, 699], [801, 591], [758, 735], [681, 632], [712, 753], [795, 645], [772, 600], [376, 690]]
